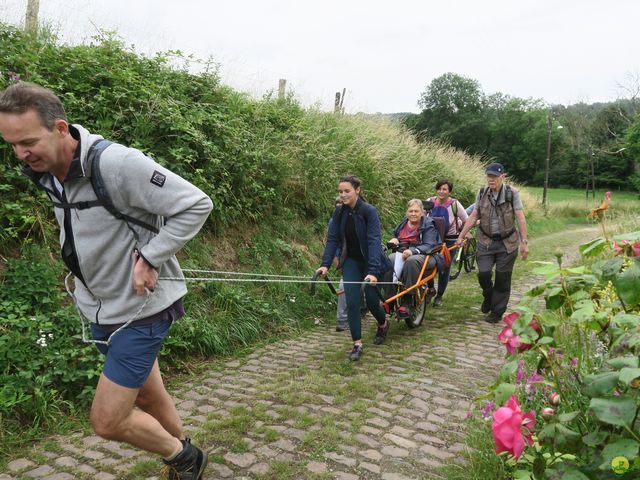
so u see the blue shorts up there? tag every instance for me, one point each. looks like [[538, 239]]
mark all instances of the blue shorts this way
[[132, 352]]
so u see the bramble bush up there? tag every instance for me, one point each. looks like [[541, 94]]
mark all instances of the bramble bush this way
[[44, 368], [566, 405]]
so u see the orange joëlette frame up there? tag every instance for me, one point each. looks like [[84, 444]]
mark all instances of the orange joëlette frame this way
[[421, 281]]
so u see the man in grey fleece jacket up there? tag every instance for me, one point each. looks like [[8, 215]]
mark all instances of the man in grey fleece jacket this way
[[116, 264]]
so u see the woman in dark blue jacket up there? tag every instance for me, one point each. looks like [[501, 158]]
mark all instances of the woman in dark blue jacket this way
[[355, 231]]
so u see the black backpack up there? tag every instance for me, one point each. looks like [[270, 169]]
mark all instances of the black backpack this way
[[100, 189], [508, 193]]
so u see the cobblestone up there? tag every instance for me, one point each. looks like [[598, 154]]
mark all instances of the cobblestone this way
[[408, 429]]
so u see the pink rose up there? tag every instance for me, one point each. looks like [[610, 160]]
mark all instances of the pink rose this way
[[617, 249], [511, 428], [510, 339], [636, 249]]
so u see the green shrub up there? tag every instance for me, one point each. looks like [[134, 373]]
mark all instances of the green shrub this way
[[43, 362]]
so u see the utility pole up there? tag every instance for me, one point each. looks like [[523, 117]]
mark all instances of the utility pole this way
[[31, 18], [590, 173], [593, 172], [546, 165]]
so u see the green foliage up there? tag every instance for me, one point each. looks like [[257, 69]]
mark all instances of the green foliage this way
[[35, 389], [515, 132], [590, 404]]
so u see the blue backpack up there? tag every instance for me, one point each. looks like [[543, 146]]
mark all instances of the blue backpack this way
[[442, 211]]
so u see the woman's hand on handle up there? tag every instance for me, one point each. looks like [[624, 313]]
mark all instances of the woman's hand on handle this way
[[372, 279], [322, 271]]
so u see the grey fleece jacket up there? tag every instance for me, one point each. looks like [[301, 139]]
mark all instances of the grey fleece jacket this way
[[104, 245]]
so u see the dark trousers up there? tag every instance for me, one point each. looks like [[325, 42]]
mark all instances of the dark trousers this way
[[495, 292], [443, 275], [354, 271], [410, 272]]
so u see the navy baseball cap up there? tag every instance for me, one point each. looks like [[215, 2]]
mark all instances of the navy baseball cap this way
[[494, 169]]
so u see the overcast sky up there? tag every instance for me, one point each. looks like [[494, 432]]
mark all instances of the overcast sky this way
[[383, 52]]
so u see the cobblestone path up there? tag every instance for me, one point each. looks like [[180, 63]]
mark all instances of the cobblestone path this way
[[299, 409]]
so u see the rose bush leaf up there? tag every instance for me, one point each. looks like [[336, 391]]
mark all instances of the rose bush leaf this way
[[618, 363], [624, 447], [503, 392], [627, 285], [614, 411], [600, 383], [627, 375]]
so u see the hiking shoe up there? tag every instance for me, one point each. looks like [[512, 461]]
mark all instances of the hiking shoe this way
[[381, 334], [187, 465], [493, 317], [486, 306], [341, 328], [437, 302], [356, 352], [430, 294]]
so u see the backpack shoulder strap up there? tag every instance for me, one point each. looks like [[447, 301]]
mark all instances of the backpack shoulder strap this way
[[508, 194], [100, 189]]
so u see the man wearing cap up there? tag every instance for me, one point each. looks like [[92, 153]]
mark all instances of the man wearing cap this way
[[499, 208]]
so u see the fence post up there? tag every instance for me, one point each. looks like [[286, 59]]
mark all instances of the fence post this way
[[282, 87], [31, 18]]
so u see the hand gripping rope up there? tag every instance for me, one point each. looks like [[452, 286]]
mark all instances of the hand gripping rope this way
[[84, 319]]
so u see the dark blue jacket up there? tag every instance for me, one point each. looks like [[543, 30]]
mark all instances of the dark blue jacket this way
[[369, 233], [428, 237]]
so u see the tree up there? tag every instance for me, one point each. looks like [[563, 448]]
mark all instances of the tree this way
[[452, 112], [452, 93]]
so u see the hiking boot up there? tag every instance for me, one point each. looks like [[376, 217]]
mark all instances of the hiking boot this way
[[381, 334], [437, 302], [187, 465], [341, 328], [486, 306], [356, 352], [493, 317]]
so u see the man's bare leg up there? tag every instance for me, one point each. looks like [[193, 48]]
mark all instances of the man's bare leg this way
[[154, 399], [114, 418]]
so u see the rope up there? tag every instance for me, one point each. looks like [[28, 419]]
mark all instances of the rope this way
[[259, 280], [220, 272], [84, 319]]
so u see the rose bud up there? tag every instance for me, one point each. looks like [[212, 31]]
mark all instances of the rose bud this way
[[554, 399], [548, 413]]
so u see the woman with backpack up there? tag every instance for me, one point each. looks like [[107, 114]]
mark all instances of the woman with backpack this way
[[454, 215], [355, 230]]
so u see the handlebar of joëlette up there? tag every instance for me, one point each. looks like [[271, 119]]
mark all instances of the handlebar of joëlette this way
[[396, 247], [314, 280]]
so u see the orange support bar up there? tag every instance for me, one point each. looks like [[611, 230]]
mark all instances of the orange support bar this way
[[421, 281]]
